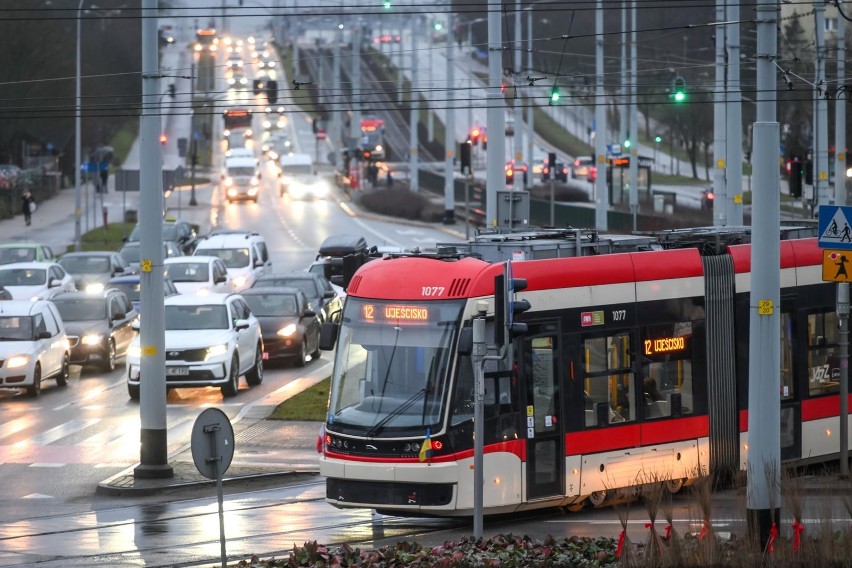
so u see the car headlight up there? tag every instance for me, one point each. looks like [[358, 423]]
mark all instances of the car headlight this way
[[232, 192], [243, 81], [231, 80], [92, 339], [216, 351], [253, 190], [271, 63], [229, 180], [94, 288], [239, 281], [226, 132], [134, 351], [17, 361], [266, 124], [288, 330]]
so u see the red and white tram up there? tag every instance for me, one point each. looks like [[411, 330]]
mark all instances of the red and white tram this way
[[633, 370]]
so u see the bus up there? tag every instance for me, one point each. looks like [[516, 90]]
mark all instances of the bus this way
[[237, 120], [633, 370], [372, 144], [205, 39]]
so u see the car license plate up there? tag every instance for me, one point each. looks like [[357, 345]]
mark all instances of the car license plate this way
[[176, 371]]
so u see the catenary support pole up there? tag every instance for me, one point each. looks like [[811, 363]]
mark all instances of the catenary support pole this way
[[478, 360], [450, 130], [720, 193], [78, 151], [496, 157], [843, 348], [601, 194], [624, 103], [821, 188], [336, 122], [634, 120], [529, 100], [153, 462], [840, 197], [763, 496], [519, 182], [413, 116], [734, 118]]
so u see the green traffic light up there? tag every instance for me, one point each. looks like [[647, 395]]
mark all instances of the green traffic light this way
[[387, 4], [438, 26], [679, 96], [627, 143], [658, 139], [554, 96]]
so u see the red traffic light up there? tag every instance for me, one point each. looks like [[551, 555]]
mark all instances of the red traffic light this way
[[163, 138]]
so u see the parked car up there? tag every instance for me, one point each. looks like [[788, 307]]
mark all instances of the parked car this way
[[244, 253], [98, 325], [33, 346], [318, 290], [91, 270], [183, 233], [25, 252], [35, 280], [210, 340], [198, 274], [131, 285], [131, 253], [290, 327]]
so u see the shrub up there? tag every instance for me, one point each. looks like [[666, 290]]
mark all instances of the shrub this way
[[401, 203]]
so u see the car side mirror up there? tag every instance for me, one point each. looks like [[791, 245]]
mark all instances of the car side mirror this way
[[328, 336], [258, 263], [124, 239], [220, 279], [241, 324], [134, 325], [43, 335], [56, 282], [118, 316], [328, 294]]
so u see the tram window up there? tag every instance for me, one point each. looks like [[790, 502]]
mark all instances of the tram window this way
[[786, 356], [823, 362], [667, 377], [608, 380]]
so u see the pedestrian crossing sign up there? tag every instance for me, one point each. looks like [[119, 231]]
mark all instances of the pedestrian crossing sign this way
[[836, 266], [835, 230]]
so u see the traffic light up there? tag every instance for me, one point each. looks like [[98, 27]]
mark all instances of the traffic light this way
[[795, 178], [507, 306], [272, 92], [658, 139], [172, 90], [163, 139], [678, 91], [464, 157], [387, 4], [474, 136], [627, 143], [438, 26], [809, 171], [554, 95]]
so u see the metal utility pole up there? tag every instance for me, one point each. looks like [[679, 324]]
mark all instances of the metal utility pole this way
[[450, 131], [517, 113], [720, 193], [430, 116], [763, 497], [495, 129], [355, 125], [840, 197], [624, 123], [530, 101], [78, 152], [634, 120], [193, 143], [414, 110], [153, 462], [734, 148], [601, 193], [821, 118], [336, 126]]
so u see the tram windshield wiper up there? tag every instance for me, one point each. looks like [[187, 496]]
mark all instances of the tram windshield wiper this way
[[405, 405]]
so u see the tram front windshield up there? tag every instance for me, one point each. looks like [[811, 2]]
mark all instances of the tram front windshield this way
[[392, 365]]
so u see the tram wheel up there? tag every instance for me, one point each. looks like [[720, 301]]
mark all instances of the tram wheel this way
[[597, 498], [674, 485]]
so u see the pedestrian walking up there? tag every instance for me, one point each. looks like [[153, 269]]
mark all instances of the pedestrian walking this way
[[390, 180], [28, 204]]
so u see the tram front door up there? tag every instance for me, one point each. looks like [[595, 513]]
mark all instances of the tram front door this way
[[545, 454]]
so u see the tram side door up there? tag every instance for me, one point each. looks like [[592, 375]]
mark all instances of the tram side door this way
[[539, 367]]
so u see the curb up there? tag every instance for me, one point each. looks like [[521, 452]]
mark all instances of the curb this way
[[112, 487]]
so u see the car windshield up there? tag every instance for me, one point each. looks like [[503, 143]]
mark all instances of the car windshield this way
[[297, 169], [241, 172], [130, 252], [308, 287], [81, 309], [233, 258], [170, 233], [267, 305], [16, 328], [85, 264], [22, 277], [196, 317], [392, 365], [187, 272], [8, 255]]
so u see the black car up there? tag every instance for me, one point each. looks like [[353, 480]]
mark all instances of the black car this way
[[98, 326], [182, 233], [91, 270], [289, 326], [317, 289]]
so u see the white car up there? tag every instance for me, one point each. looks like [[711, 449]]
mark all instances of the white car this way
[[33, 346], [210, 341], [35, 280], [198, 274], [244, 253]]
